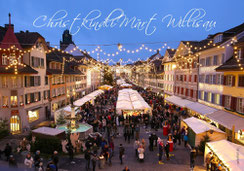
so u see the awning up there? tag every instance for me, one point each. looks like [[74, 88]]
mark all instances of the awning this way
[[48, 131], [200, 126], [201, 108], [227, 152], [227, 119], [178, 101]]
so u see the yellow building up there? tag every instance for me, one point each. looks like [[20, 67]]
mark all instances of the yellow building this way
[[233, 89]]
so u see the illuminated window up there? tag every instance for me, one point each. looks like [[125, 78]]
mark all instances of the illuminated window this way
[[209, 96], [14, 82], [14, 101], [5, 101], [21, 100], [33, 115], [14, 124], [202, 95], [217, 99]]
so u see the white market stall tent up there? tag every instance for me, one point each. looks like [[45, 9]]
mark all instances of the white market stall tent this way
[[130, 102], [199, 128], [90, 97], [78, 103], [226, 154], [178, 101]]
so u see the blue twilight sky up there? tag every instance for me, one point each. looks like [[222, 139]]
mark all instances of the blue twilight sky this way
[[225, 13]]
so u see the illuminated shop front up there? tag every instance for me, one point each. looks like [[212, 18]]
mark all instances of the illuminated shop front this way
[[15, 124], [33, 115]]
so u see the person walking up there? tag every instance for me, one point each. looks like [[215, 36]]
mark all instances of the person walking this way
[[166, 148], [121, 153], [160, 152], [136, 145], [88, 159], [12, 162], [7, 151], [94, 161], [28, 161], [37, 159], [185, 138], [192, 158], [55, 159]]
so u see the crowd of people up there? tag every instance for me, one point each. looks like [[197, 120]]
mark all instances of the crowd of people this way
[[99, 150]]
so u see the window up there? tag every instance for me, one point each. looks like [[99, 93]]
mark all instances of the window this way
[[21, 100], [218, 38], [14, 82], [240, 105], [202, 62], [195, 78], [215, 60], [227, 102], [218, 79], [209, 97], [37, 62], [241, 81], [217, 99], [189, 78], [46, 80], [223, 58], [4, 59], [5, 101], [210, 79], [229, 80], [4, 82], [13, 101], [207, 79], [209, 61]]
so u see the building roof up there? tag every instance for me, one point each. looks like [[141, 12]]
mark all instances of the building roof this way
[[171, 52], [230, 65], [28, 39], [155, 56], [57, 56], [10, 39], [21, 70]]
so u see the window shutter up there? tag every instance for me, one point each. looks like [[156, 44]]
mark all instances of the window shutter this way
[[233, 103], [220, 99], [212, 100], [223, 100], [25, 81], [32, 61], [233, 80], [25, 98]]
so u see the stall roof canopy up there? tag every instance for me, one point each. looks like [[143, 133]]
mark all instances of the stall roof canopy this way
[[178, 101], [48, 131], [227, 119], [227, 151], [200, 108], [129, 99], [88, 97], [200, 126]]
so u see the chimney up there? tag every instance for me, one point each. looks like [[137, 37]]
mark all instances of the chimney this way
[[48, 44]]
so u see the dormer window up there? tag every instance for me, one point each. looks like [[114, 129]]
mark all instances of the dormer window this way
[[4, 59], [218, 38]]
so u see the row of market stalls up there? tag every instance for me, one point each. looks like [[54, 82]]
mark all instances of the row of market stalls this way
[[105, 87], [230, 123], [219, 125], [130, 103]]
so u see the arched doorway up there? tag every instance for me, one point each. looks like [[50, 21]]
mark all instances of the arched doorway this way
[[15, 124]]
